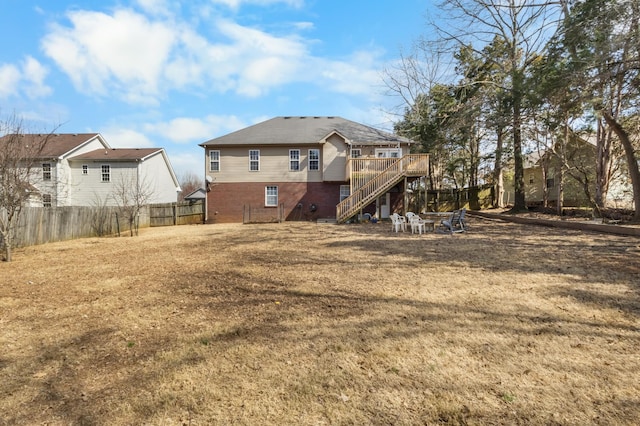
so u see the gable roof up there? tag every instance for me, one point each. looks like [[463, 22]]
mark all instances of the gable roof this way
[[198, 194], [117, 154], [306, 130], [57, 145]]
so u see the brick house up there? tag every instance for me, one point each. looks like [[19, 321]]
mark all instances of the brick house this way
[[307, 168]]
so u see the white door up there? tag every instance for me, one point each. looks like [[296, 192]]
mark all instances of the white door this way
[[383, 208]]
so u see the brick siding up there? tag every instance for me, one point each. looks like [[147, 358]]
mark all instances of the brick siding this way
[[226, 201]]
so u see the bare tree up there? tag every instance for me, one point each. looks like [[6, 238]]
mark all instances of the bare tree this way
[[131, 193], [19, 157], [100, 218], [189, 182]]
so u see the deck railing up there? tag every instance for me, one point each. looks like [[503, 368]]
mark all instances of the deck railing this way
[[371, 180]]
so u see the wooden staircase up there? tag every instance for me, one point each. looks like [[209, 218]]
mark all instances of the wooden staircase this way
[[364, 192]]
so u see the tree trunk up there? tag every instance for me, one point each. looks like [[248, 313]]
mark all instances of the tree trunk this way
[[563, 162], [6, 239], [604, 166], [560, 200], [498, 172], [518, 178], [545, 189], [632, 162]]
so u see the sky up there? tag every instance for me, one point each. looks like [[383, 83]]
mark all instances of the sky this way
[[174, 74]]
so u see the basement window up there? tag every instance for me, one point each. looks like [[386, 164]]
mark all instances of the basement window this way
[[271, 196], [345, 191]]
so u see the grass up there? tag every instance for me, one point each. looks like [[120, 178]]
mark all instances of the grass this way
[[299, 323]]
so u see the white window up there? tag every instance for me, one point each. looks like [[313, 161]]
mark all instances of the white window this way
[[254, 160], [85, 169], [345, 191], [294, 160], [46, 200], [106, 173], [46, 171], [314, 159], [356, 153], [271, 196], [214, 161], [388, 152]]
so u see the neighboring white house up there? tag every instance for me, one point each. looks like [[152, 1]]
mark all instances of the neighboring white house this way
[[96, 175], [82, 170]]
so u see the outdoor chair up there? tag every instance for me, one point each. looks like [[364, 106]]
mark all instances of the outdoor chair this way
[[398, 222], [455, 223], [417, 224]]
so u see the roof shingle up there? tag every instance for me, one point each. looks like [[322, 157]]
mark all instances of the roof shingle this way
[[305, 130], [56, 144], [116, 154]]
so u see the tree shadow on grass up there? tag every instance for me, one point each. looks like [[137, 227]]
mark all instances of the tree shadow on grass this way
[[522, 249]]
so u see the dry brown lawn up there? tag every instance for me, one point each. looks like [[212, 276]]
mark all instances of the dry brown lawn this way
[[305, 324]]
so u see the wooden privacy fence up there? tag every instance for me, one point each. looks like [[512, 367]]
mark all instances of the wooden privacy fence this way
[[39, 225], [183, 213], [475, 198]]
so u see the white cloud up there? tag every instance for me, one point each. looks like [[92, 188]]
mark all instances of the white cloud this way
[[9, 78], [188, 129], [120, 137], [263, 60], [235, 4], [123, 51], [187, 162], [304, 25], [34, 74], [156, 7], [140, 59], [27, 77]]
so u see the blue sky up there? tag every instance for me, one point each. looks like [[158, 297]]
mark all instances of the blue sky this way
[[173, 74]]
